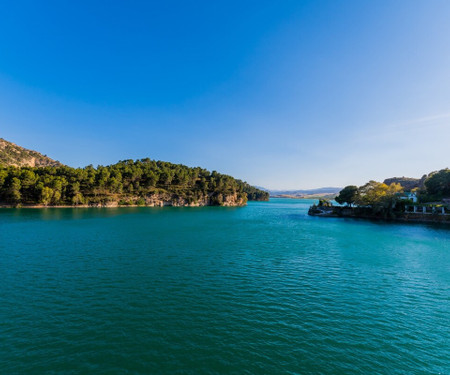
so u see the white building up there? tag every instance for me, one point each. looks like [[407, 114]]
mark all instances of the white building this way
[[408, 195]]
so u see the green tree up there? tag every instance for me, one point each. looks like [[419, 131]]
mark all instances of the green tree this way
[[77, 199], [27, 178], [3, 176], [324, 203], [14, 190], [46, 195], [437, 184], [347, 195], [381, 197]]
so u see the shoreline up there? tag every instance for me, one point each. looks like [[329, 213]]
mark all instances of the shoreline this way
[[306, 197], [349, 213], [118, 206]]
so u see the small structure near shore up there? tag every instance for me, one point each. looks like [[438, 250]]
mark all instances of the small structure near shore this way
[[400, 199], [409, 196], [428, 209], [414, 212]]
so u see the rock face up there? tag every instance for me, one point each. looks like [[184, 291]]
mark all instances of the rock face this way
[[163, 200], [14, 155], [225, 200], [407, 183], [168, 200]]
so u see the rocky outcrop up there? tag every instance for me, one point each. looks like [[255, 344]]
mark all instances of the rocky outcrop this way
[[14, 155], [162, 200], [407, 183], [165, 200]]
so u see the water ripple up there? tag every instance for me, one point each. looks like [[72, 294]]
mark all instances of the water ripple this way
[[259, 290]]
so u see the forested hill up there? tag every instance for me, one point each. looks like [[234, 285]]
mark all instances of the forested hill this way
[[12, 154], [142, 182]]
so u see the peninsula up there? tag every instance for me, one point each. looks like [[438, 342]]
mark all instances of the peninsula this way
[[30, 179], [396, 199]]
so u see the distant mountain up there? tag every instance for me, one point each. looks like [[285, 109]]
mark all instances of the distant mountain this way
[[307, 192], [14, 155]]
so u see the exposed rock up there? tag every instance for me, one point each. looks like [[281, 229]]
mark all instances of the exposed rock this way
[[14, 155], [168, 200], [407, 183]]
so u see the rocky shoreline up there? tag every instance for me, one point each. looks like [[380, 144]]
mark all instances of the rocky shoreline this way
[[155, 200], [368, 214]]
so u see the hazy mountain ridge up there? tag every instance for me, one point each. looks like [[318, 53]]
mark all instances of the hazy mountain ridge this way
[[301, 193], [17, 156]]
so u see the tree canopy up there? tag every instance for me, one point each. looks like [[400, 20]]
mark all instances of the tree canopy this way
[[437, 185], [127, 182], [378, 195], [347, 195]]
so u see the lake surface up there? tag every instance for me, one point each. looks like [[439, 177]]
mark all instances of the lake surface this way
[[262, 289]]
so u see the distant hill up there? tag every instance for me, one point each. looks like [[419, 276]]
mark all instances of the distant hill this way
[[304, 193], [407, 183], [14, 155]]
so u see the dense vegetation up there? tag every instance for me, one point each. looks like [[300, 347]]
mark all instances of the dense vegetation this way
[[347, 195], [386, 199], [127, 182], [437, 186], [12, 154], [377, 196], [253, 193]]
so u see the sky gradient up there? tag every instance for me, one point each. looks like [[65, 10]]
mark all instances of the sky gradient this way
[[285, 95]]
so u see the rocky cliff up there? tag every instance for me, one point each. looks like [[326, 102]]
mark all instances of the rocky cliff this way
[[14, 155], [167, 199]]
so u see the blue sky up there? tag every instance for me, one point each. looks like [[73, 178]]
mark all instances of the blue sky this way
[[283, 94]]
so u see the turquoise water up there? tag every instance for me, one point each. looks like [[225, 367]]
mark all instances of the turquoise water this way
[[263, 289]]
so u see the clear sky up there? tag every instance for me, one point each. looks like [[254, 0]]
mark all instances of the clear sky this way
[[283, 94]]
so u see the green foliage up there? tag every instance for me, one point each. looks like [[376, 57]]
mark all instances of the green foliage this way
[[46, 195], [13, 191], [77, 199], [437, 186], [379, 196], [347, 195], [254, 194], [324, 203], [377, 193], [140, 202], [127, 182]]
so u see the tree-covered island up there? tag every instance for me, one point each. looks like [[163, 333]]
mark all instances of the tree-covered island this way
[[404, 199], [142, 182], [28, 178]]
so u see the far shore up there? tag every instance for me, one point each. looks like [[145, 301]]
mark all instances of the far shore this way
[[78, 206], [311, 196], [113, 206]]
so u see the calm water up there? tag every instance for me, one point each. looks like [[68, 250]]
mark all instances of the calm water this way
[[263, 289]]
